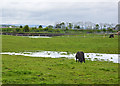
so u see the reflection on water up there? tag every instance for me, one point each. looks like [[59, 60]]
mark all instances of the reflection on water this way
[[55, 54]]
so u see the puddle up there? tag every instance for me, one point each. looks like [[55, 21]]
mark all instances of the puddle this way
[[54, 54], [38, 36]]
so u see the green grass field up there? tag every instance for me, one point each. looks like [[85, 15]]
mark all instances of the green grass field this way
[[89, 44], [33, 70], [30, 70]]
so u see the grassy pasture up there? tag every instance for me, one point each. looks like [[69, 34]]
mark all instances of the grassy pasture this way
[[88, 44], [31, 70]]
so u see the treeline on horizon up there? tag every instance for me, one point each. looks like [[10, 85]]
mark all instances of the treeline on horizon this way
[[60, 28]]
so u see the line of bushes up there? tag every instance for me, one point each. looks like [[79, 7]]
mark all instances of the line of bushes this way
[[26, 28]]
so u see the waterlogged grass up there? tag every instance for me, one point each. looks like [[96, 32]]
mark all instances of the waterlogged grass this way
[[30, 70], [88, 44]]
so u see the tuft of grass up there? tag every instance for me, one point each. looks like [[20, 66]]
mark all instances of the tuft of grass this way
[[63, 54], [96, 59], [104, 69], [98, 55]]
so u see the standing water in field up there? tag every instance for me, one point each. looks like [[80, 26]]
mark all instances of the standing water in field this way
[[38, 36], [54, 54]]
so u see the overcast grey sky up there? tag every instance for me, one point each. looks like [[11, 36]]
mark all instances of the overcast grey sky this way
[[51, 11]]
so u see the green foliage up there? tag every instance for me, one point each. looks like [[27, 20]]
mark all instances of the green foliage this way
[[77, 26], [33, 29], [70, 25], [58, 26], [90, 31], [21, 26], [57, 30], [110, 29], [62, 23], [40, 29], [97, 26], [50, 26], [50, 30], [40, 26], [98, 31], [8, 29], [17, 29], [104, 25], [104, 30], [26, 28], [45, 29], [31, 70], [66, 29]]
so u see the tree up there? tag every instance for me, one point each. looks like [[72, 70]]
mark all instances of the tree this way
[[62, 25], [109, 29], [50, 30], [17, 29], [50, 26], [40, 29], [57, 26], [57, 30], [80, 24], [33, 29], [77, 26], [104, 30], [70, 25], [98, 30], [21, 26], [26, 28], [104, 26], [40, 26], [45, 29], [66, 29], [97, 26]]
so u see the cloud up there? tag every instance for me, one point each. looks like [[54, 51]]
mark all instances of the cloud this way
[[39, 12]]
